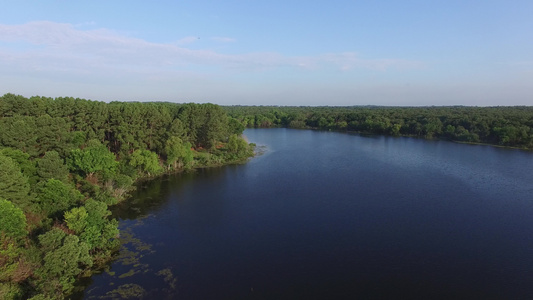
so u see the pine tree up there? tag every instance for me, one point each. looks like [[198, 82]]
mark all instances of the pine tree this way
[[12, 220], [13, 185], [52, 166]]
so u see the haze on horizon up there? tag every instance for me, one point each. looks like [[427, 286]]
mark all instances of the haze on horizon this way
[[341, 52]]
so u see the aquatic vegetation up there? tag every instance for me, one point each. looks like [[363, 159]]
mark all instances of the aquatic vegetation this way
[[126, 291]]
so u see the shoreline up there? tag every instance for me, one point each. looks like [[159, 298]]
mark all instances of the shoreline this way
[[363, 133]]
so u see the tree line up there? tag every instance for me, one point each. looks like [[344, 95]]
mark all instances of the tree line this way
[[506, 126], [64, 161]]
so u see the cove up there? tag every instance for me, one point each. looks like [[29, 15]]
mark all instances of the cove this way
[[325, 215]]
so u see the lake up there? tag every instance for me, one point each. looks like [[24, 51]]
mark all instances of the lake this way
[[325, 215]]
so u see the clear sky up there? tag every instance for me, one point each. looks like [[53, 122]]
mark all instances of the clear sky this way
[[453, 52]]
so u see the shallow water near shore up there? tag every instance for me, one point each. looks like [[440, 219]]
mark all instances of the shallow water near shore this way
[[324, 215]]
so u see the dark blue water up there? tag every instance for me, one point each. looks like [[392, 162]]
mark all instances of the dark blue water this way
[[324, 215]]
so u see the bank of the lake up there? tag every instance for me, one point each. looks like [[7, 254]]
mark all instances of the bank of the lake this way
[[509, 126], [325, 215], [65, 161]]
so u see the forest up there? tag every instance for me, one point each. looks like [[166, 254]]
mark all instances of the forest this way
[[504, 126], [64, 161]]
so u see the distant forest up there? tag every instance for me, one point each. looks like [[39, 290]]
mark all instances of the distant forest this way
[[63, 161], [505, 126]]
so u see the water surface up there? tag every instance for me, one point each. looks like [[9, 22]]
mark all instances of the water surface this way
[[325, 215]]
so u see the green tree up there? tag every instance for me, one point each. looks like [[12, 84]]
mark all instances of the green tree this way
[[433, 127], [76, 219], [20, 133], [55, 197], [322, 123], [179, 154], [52, 166], [450, 131], [13, 269], [13, 185], [98, 232], [238, 147], [53, 134], [27, 166], [233, 144], [12, 220], [52, 239], [177, 129], [207, 124], [192, 116], [65, 258], [126, 127], [146, 162], [9, 291], [94, 158], [395, 129], [234, 126], [11, 104]]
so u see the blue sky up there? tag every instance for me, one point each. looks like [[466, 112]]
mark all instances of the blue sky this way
[[271, 52]]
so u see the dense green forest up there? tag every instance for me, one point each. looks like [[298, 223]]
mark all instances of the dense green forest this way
[[506, 126], [64, 161]]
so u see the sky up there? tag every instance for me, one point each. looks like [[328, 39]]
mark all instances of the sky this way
[[335, 53]]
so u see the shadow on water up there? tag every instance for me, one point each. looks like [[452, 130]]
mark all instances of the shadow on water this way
[[153, 194], [123, 272]]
